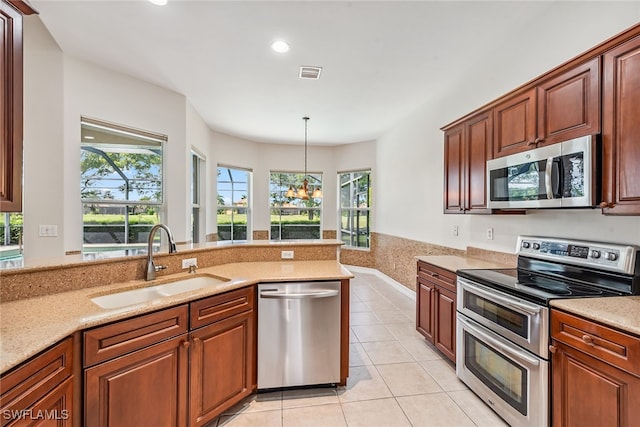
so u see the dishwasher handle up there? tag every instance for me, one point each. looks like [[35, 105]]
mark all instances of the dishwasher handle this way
[[322, 293]]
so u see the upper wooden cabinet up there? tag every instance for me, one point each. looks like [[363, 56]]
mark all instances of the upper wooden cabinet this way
[[621, 130], [11, 104], [565, 105], [569, 104], [467, 148]]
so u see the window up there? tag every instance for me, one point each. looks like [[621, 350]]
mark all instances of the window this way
[[355, 204], [196, 172], [11, 240], [121, 187], [233, 203], [293, 218]]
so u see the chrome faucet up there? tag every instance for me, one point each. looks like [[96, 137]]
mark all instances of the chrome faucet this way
[[151, 267]]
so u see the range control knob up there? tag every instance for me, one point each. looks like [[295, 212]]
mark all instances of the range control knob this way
[[611, 256], [536, 246], [595, 254], [526, 245]]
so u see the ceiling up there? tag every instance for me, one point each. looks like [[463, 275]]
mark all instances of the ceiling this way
[[381, 60]]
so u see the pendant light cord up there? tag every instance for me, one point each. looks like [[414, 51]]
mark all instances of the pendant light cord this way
[[306, 121]]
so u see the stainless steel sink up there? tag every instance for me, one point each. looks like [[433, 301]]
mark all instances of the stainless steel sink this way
[[140, 295]]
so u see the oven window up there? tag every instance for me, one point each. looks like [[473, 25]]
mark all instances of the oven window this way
[[502, 375], [507, 318]]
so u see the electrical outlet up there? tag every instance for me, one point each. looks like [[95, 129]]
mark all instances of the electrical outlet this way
[[455, 230], [489, 233], [188, 262], [286, 255], [48, 231]]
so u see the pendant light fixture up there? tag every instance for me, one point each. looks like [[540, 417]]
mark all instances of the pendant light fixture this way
[[303, 191]]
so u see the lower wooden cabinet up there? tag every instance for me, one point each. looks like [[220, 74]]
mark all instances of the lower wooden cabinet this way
[[595, 374], [436, 307], [223, 353], [145, 388], [40, 391], [153, 370]]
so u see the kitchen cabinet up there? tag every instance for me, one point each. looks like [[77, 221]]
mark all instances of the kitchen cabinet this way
[[595, 373], [11, 113], [561, 106], [621, 130], [181, 366], [436, 307], [467, 147], [223, 353], [40, 391], [136, 371]]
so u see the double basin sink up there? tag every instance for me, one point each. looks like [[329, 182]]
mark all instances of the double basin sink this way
[[150, 293]]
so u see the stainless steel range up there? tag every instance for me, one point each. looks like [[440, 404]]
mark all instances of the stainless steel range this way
[[503, 317]]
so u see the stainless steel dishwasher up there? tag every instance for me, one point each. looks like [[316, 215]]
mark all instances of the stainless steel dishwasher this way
[[298, 334]]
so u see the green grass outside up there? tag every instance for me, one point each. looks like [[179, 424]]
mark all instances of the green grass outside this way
[[240, 219], [114, 219]]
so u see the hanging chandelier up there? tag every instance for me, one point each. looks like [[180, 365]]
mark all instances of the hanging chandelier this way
[[303, 191]]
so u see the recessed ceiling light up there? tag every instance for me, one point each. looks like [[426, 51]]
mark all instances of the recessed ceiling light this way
[[280, 46], [159, 2]]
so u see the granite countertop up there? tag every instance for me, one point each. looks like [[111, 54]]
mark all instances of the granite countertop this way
[[31, 325], [455, 262], [622, 313]]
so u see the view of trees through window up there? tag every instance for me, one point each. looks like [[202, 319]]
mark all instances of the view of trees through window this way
[[120, 186], [355, 204], [233, 203], [291, 217]]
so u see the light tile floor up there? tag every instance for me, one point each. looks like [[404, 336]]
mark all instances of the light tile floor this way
[[395, 379]]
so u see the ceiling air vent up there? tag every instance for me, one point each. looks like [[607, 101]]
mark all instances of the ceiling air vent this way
[[310, 72]]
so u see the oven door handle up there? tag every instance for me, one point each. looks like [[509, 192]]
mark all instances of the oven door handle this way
[[516, 354], [491, 296]]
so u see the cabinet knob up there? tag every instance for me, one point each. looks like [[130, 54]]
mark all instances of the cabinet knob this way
[[606, 205], [552, 349], [587, 339], [185, 344], [539, 141], [531, 143]]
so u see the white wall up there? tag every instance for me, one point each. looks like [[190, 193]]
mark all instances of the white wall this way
[[43, 154], [410, 156]]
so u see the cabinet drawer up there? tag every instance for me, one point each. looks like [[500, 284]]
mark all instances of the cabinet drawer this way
[[106, 342], [609, 345], [219, 307], [437, 275], [28, 383]]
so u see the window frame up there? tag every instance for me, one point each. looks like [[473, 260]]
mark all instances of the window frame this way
[[353, 209], [232, 208], [281, 188]]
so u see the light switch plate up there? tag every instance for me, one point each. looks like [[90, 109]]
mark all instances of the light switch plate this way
[[188, 262], [48, 231]]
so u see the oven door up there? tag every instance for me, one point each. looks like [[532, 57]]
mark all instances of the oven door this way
[[510, 380], [522, 322]]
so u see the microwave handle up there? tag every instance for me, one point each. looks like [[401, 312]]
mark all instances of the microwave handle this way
[[547, 178]]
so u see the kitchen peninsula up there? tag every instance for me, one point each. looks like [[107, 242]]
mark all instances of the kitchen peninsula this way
[[147, 335]]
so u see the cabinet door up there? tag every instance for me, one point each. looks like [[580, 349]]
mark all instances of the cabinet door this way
[[479, 137], [53, 410], [588, 392], [445, 313], [514, 122], [621, 130], [223, 356], [569, 104], [144, 388], [425, 317], [454, 170], [10, 109]]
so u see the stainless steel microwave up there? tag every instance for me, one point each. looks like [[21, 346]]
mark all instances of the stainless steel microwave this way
[[556, 176]]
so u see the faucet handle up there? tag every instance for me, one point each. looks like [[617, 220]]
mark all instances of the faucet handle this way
[[160, 267], [192, 268]]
